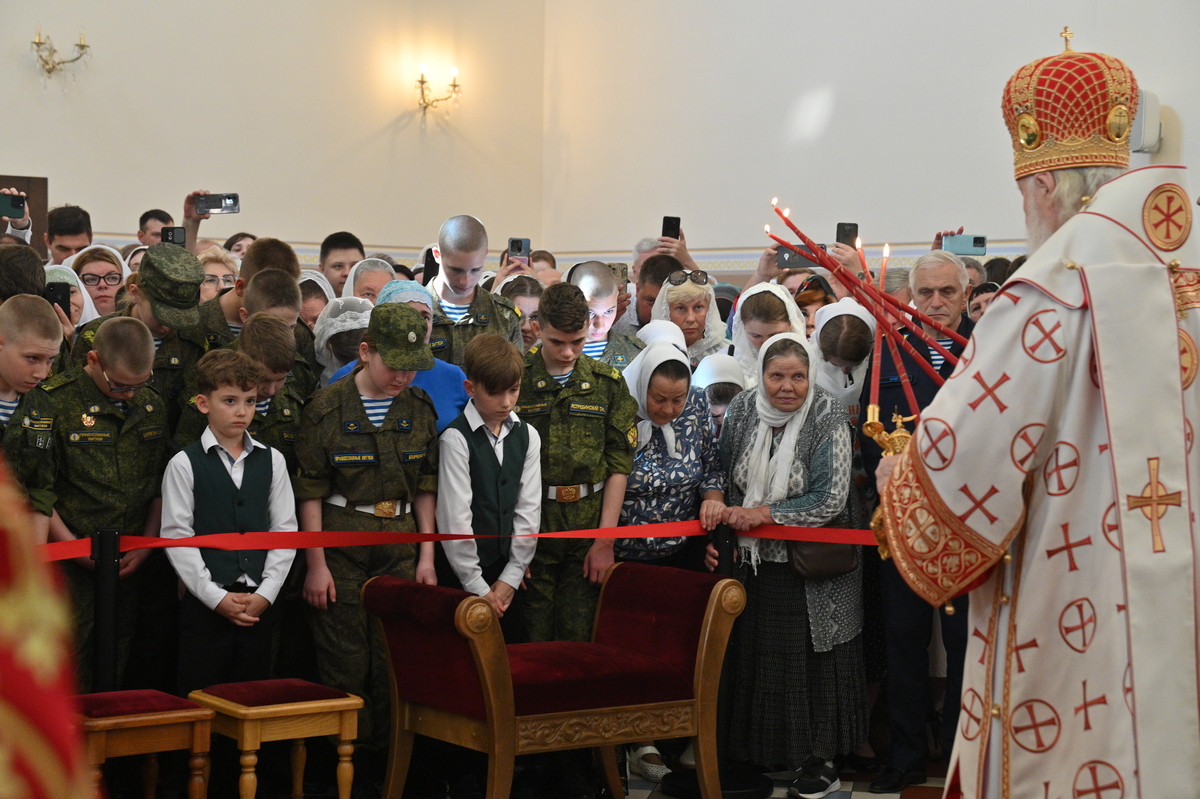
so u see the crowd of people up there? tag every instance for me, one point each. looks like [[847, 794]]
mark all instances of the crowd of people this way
[[189, 391]]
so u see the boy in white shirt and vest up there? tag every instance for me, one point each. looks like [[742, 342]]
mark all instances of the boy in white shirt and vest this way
[[227, 483]]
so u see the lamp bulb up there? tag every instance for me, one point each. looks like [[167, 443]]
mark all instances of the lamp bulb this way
[[453, 72], [424, 69]]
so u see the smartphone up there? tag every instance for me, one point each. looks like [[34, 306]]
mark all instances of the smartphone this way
[[174, 235], [621, 273], [59, 294], [12, 206], [670, 229], [965, 244], [431, 268], [218, 204], [847, 233]]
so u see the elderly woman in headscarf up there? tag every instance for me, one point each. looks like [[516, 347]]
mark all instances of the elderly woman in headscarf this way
[[315, 293], [444, 383], [367, 278], [102, 271], [764, 310], [338, 332], [799, 694], [688, 301]]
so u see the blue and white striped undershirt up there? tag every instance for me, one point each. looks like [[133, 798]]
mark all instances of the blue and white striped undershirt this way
[[455, 312], [377, 409], [158, 340], [562, 379], [6, 410], [235, 329], [122, 405], [594, 349], [262, 406], [937, 358]]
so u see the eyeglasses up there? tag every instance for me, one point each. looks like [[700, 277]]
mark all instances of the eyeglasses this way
[[111, 279], [119, 388], [226, 281], [679, 277]]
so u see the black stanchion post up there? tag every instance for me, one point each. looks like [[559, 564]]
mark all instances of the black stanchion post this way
[[726, 544], [106, 552]]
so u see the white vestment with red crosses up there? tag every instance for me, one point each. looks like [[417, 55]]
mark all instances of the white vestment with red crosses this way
[[1054, 477]]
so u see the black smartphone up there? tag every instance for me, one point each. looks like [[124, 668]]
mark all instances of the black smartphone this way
[[431, 268], [847, 233], [174, 235], [12, 206], [218, 204], [59, 294], [670, 229]]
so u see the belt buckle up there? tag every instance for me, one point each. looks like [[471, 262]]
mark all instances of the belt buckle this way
[[386, 509], [566, 493]]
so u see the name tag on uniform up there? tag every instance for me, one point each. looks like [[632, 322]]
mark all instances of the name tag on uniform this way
[[91, 437], [353, 458], [588, 409], [437, 344], [289, 435], [415, 456], [534, 407], [41, 425], [151, 433]]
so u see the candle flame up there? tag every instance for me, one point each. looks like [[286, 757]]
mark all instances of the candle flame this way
[[767, 228], [453, 72], [774, 201], [887, 249], [787, 211], [858, 244], [424, 68]]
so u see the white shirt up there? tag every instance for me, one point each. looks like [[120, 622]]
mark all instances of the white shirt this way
[[178, 514], [454, 503], [26, 234]]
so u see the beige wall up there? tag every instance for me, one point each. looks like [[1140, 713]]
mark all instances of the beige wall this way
[[581, 123]]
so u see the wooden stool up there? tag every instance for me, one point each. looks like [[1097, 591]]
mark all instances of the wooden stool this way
[[119, 723], [282, 710]]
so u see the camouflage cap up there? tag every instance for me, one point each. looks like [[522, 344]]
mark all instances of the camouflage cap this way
[[399, 335], [170, 278]]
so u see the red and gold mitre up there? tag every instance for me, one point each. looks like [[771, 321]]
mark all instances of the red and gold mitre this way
[[1070, 110]]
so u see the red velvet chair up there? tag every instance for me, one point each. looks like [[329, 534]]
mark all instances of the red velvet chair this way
[[651, 671]]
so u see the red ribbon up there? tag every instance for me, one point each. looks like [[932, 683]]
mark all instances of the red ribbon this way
[[62, 550]]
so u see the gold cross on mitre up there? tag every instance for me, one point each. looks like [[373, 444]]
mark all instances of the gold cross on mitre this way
[[1153, 502], [1067, 36]]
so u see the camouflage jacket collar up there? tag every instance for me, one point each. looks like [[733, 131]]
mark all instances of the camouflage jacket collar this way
[[581, 381], [354, 415], [481, 311], [96, 402]]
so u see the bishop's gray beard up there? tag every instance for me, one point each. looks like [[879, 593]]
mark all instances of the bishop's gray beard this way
[[1037, 230]]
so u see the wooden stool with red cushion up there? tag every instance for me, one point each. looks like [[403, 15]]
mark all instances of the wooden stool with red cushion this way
[[651, 671], [283, 710], [144, 722]]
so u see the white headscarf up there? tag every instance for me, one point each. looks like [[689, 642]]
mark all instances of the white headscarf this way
[[714, 326], [846, 387], [660, 330], [89, 307], [768, 475], [743, 350], [637, 376], [133, 252], [317, 277], [57, 273], [340, 315], [718, 368], [348, 287]]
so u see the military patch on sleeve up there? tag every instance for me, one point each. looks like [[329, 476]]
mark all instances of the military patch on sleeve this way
[[437, 344], [633, 436], [353, 458], [38, 425]]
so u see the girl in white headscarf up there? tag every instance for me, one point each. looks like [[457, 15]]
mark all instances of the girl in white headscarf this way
[[687, 300], [367, 277], [343, 315], [764, 310], [799, 689], [315, 293], [81, 301], [107, 262]]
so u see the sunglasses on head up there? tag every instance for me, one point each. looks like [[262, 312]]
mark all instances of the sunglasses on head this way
[[679, 277]]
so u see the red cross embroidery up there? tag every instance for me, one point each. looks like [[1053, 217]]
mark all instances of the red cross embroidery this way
[[979, 504], [972, 713], [1127, 687], [1040, 339], [1167, 211], [1030, 717], [987, 642], [1008, 295], [924, 534], [1077, 624], [1110, 528], [1096, 779], [1087, 705], [1025, 444], [1189, 435], [1030, 644], [1062, 469], [936, 454], [1069, 547], [990, 392]]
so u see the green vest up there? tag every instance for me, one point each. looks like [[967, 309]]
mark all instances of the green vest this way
[[222, 508], [495, 487]]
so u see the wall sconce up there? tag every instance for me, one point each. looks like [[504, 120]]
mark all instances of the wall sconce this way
[[426, 100], [48, 58]]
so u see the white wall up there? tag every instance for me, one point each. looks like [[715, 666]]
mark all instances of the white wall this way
[[581, 123]]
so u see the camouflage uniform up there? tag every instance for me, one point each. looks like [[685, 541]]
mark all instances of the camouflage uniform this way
[[213, 326], [279, 428], [174, 362], [489, 313], [306, 348], [621, 350], [100, 468], [341, 452], [217, 333], [588, 432]]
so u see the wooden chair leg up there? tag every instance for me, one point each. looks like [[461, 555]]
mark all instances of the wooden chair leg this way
[[299, 759], [398, 760], [198, 778], [149, 775], [705, 747], [248, 782], [98, 781], [499, 775], [345, 768], [612, 773]]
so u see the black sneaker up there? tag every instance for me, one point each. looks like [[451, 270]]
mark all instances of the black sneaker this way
[[894, 781], [818, 779]]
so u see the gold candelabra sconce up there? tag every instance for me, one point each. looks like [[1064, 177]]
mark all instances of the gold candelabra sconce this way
[[892, 443], [47, 55], [426, 100]]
